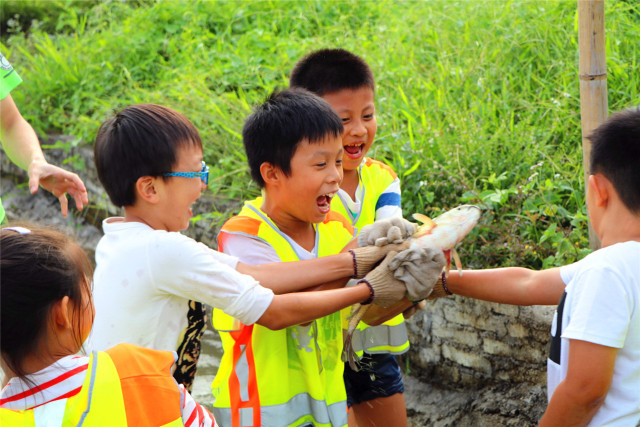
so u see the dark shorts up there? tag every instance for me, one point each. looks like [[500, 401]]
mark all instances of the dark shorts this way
[[379, 376]]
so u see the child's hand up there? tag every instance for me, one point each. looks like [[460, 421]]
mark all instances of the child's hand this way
[[386, 231], [419, 269], [364, 259], [387, 290]]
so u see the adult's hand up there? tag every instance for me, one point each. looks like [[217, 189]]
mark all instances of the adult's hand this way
[[59, 182]]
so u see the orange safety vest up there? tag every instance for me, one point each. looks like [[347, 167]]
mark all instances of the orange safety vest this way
[[125, 386], [289, 377]]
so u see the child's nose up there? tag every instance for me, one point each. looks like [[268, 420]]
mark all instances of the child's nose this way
[[336, 174], [357, 128]]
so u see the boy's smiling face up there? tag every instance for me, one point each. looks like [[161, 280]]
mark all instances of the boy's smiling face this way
[[179, 193], [316, 173], [357, 111]]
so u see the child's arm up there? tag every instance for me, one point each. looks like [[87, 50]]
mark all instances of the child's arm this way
[[285, 277], [330, 272], [338, 283], [579, 396], [301, 307], [378, 287], [511, 285]]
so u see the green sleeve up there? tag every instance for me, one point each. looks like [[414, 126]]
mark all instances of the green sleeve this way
[[9, 78]]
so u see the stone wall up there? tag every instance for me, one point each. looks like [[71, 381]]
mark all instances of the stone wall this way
[[471, 363], [489, 358]]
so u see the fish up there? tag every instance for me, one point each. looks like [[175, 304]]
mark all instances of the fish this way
[[443, 232]]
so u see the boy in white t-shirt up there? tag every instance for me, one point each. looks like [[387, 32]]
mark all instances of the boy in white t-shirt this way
[[593, 369], [149, 159]]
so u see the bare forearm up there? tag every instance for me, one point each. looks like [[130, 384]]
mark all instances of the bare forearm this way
[[512, 285], [21, 145], [296, 308], [18, 138], [564, 410], [285, 277]]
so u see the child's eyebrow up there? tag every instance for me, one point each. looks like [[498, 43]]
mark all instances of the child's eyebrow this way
[[324, 153]]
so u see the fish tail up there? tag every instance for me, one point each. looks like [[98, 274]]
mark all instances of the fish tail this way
[[348, 354]]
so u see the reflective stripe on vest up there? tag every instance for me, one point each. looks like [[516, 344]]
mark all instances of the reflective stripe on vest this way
[[290, 377], [103, 399], [391, 336]]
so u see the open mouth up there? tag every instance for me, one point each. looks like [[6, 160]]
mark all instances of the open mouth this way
[[354, 151], [324, 202]]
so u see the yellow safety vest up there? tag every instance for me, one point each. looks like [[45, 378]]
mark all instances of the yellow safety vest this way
[[391, 336], [123, 377], [289, 377]]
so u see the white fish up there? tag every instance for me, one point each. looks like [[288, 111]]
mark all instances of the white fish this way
[[443, 232]]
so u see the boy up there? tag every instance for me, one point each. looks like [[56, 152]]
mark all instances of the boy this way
[[593, 369], [370, 191], [294, 376], [149, 160]]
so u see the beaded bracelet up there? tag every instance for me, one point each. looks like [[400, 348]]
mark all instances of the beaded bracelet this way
[[355, 264], [372, 294]]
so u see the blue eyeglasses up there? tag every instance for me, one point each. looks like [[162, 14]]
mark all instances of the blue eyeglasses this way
[[203, 174]]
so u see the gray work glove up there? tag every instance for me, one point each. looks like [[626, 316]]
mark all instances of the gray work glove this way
[[387, 290], [364, 259], [419, 268], [385, 231]]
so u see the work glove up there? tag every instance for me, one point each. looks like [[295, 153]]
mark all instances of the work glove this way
[[386, 289], [419, 269], [439, 290], [364, 259], [385, 231], [409, 312]]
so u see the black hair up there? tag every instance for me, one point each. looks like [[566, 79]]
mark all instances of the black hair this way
[[615, 153], [141, 140], [276, 127], [38, 269], [330, 70]]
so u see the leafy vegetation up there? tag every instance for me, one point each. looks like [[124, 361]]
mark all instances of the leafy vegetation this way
[[477, 102]]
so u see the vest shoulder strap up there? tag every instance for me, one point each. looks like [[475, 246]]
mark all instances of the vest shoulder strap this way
[[334, 216], [369, 162]]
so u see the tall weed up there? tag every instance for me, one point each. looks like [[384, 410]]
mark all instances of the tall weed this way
[[477, 102]]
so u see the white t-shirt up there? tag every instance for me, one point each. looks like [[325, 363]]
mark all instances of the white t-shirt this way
[[601, 305], [144, 279], [256, 251]]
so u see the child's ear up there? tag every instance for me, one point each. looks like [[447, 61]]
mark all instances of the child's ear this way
[[146, 188], [270, 173], [600, 189], [62, 312]]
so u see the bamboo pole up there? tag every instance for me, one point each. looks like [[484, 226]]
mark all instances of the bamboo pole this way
[[593, 80]]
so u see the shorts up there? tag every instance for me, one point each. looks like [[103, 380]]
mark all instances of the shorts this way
[[379, 376]]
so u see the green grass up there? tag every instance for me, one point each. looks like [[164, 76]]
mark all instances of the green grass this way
[[477, 102]]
